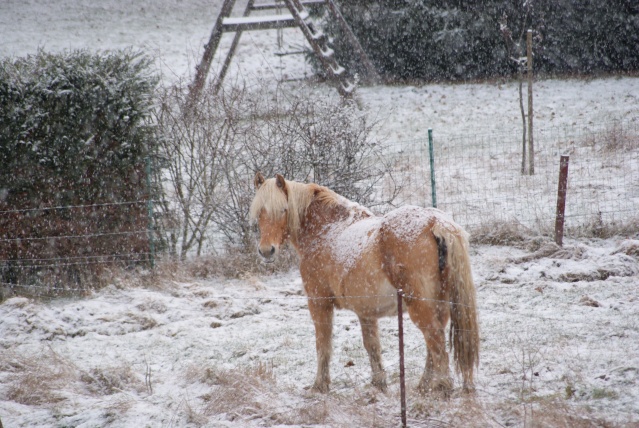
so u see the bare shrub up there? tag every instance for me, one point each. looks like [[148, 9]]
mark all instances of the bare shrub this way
[[192, 144], [212, 152]]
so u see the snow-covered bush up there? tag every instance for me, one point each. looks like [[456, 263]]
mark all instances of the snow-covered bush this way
[[74, 134], [451, 39]]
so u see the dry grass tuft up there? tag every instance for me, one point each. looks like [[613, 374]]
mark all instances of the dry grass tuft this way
[[144, 321], [252, 393], [597, 228], [311, 414], [335, 411], [239, 393], [467, 411], [615, 139], [44, 378], [629, 247], [557, 413], [110, 380], [510, 233], [36, 379]]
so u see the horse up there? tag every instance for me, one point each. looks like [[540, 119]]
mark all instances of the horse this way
[[350, 258]]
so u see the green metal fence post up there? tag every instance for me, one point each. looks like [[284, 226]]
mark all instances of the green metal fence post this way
[[149, 205], [432, 167]]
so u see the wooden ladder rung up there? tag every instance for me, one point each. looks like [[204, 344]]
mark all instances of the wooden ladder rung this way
[[337, 70], [269, 22], [282, 5]]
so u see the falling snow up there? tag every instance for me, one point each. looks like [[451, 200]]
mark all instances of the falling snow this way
[[558, 326]]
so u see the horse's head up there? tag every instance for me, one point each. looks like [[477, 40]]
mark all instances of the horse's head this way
[[270, 211]]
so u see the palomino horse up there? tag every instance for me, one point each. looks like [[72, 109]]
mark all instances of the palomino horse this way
[[352, 259]]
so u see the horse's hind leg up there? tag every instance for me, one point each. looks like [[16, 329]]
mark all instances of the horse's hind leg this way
[[322, 315], [436, 373], [370, 336]]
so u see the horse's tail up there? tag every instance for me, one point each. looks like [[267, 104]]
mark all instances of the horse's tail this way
[[464, 329]]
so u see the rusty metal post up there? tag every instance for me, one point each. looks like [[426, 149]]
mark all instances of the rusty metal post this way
[[402, 378], [561, 199]]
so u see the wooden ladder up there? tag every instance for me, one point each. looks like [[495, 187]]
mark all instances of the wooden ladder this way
[[298, 17]]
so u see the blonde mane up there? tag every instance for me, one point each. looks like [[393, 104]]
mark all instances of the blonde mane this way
[[300, 195]]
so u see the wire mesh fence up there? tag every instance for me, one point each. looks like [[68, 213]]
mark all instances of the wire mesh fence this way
[[479, 181], [479, 178]]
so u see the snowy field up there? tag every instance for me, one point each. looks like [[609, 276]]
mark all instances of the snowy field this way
[[560, 346], [559, 327]]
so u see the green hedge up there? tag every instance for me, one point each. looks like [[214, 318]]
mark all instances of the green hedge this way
[[74, 130]]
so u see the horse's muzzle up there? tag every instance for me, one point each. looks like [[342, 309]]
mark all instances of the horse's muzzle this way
[[267, 253]]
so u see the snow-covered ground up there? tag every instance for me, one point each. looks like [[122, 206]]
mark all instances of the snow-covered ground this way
[[560, 329], [560, 345]]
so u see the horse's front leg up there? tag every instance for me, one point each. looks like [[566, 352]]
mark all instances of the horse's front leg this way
[[322, 315], [370, 336]]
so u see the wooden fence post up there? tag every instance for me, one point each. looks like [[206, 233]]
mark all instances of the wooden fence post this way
[[531, 147]]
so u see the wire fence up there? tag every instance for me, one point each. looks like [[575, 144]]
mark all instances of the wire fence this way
[[67, 246], [479, 178]]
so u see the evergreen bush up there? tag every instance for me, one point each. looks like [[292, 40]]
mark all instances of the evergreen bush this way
[[74, 132], [454, 40]]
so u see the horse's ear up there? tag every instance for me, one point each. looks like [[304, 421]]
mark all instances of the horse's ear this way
[[259, 180], [281, 183]]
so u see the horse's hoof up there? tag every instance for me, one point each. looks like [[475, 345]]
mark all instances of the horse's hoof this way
[[468, 388], [443, 387], [320, 387], [380, 384]]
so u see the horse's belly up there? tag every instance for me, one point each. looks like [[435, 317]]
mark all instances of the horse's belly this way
[[368, 299]]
